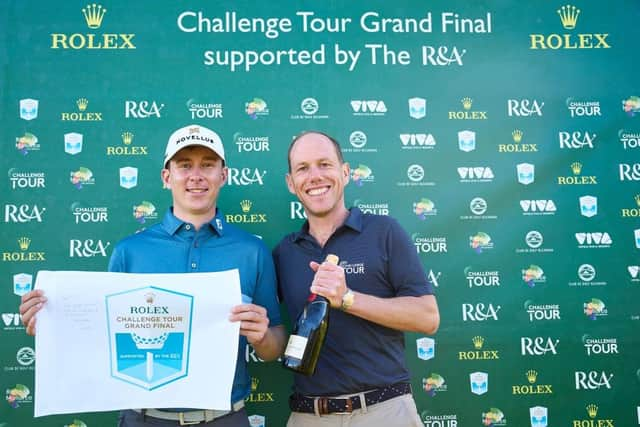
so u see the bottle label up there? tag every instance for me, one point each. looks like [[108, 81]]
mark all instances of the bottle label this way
[[296, 346]]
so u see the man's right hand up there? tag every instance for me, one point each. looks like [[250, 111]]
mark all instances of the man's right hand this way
[[31, 303]]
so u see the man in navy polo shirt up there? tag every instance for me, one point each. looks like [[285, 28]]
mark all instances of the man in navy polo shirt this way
[[378, 291], [194, 237]]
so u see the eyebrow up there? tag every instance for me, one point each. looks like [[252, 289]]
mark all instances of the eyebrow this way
[[320, 160]]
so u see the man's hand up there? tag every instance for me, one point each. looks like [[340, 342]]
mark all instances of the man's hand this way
[[329, 281], [32, 302], [253, 319]]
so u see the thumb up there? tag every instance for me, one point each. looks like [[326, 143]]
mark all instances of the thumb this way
[[314, 266]]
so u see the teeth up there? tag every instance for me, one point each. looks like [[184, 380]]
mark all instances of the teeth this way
[[317, 191], [197, 190]]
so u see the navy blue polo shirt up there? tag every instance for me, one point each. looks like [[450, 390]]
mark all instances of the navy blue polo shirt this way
[[174, 246], [379, 259]]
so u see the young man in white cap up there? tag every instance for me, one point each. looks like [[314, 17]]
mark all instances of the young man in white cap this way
[[194, 237]]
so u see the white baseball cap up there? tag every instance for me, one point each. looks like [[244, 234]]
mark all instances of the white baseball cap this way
[[191, 135]]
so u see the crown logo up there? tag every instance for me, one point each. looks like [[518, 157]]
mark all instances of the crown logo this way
[[254, 383], [592, 410], [637, 199], [246, 205], [93, 14], [466, 103], [24, 243], [478, 341], [127, 138], [194, 129], [568, 16], [82, 104], [149, 297], [532, 376], [517, 135], [576, 168]]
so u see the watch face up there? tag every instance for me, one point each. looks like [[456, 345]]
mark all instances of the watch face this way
[[347, 299]]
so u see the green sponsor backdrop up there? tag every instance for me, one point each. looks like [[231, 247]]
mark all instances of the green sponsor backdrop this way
[[515, 264]]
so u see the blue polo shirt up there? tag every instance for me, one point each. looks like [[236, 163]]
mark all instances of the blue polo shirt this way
[[379, 259], [174, 246]]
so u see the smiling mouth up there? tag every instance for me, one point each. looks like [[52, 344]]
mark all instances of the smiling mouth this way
[[318, 191], [197, 190]]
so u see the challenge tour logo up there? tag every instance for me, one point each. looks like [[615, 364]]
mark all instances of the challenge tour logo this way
[[149, 335]]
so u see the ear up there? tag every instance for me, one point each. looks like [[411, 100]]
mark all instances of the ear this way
[[165, 175], [290, 186], [346, 172], [224, 175]]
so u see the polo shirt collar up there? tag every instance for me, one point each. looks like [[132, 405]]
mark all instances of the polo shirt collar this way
[[353, 221], [171, 223]]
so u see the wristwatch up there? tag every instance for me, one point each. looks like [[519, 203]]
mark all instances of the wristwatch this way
[[347, 300]]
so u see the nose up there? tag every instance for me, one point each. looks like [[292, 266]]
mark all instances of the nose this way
[[315, 173], [196, 173]]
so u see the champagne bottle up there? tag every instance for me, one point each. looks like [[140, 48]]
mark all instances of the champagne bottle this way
[[309, 332]]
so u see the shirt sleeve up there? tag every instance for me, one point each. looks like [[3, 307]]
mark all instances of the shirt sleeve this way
[[406, 274], [116, 262], [266, 290]]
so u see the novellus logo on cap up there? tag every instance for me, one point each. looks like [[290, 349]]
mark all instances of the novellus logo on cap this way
[[193, 135]]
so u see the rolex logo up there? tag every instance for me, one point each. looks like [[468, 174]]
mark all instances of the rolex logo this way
[[246, 216], [81, 115], [577, 179], [592, 410], [254, 383], [517, 135], [478, 341], [128, 149], [532, 376], [82, 104], [466, 113], [576, 168], [568, 16], [127, 138], [93, 14], [23, 255], [246, 205], [24, 243]]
